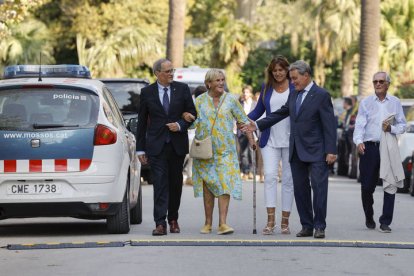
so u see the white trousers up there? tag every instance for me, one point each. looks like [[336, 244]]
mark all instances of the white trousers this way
[[271, 158]]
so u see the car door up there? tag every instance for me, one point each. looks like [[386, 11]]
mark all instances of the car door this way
[[129, 143]]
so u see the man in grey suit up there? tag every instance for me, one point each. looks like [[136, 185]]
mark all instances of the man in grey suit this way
[[312, 146]]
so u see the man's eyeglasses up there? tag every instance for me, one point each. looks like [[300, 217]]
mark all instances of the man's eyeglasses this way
[[171, 71], [378, 81]]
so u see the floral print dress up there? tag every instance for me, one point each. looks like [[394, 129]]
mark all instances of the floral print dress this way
[[222, 172]]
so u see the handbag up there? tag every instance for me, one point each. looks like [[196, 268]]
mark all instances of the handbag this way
[[203, 149]]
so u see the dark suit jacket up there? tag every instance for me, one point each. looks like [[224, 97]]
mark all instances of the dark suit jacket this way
[[313, 130], [152, 119]]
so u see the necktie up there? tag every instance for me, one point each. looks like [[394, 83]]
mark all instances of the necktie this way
[[299, 101], [166, 105], [165, 101]]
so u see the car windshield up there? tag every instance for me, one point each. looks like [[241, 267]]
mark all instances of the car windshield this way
[[126, 94], [42, 108]]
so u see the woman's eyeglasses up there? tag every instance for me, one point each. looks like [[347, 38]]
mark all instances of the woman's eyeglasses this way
[[378, 81]]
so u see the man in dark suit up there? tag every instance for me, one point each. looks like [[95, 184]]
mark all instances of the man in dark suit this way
[[312, 146], [162, 141]]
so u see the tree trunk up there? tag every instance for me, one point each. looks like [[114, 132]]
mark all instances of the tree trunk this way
[[176, 32], [319, 68], [347, 76], [369, 45], [246, 9]]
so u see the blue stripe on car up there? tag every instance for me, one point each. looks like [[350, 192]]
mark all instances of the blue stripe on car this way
[[56, 144]]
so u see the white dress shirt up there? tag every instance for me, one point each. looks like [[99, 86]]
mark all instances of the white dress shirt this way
[[372, 112]]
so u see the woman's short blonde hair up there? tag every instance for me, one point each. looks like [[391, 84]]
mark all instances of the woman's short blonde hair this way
[[211, 75]]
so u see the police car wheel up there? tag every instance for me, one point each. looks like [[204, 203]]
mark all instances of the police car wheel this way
[[119, 223], [136, 212]]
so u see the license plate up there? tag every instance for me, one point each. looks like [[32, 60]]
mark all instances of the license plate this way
[[33, 189]]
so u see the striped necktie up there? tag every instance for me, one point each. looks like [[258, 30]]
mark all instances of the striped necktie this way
[[166, 100]]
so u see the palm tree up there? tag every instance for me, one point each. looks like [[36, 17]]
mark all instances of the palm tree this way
[[28, 40], [279, 19], [397, 40], [335, 29], [118, 54], [176, 31], [369, 44], [231, 40], [344, 23]]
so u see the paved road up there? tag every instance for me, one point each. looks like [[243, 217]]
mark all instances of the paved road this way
[[345, 223]]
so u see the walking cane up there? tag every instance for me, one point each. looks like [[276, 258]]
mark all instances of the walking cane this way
[[254, 190]]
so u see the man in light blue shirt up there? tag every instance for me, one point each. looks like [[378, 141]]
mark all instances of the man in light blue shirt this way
[[370, 122]]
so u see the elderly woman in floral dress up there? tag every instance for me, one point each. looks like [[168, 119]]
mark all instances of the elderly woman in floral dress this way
[[219, 176]]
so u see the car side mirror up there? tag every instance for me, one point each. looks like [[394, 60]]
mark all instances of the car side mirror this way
[[132, 125]]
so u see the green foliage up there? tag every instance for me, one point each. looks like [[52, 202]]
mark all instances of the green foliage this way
[[405, 91], [197, 55], [397, 40], [114, 38], [124, 37], [333, 83], [13, 12], [28, 40], [253, 69], [204, 12], [231, 41]]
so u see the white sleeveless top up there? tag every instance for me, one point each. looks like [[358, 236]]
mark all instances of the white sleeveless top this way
[[280, 132]]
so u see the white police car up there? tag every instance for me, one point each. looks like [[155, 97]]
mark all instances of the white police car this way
[[65, 149]]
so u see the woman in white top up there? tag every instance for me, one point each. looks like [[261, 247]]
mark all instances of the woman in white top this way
[[274, 143]]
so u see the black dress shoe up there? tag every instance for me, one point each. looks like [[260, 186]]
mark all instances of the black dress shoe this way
[[160, 230], [370, 223], [319, 234], [384, 228], [305, 232], [174, 227]]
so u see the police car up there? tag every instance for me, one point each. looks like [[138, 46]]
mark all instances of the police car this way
[[65, 149]]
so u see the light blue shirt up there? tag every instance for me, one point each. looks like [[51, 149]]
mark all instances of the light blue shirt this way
[[306, 90], [161, 92], [372, 112]]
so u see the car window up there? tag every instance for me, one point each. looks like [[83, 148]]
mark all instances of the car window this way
[[406, 108], [410, 128], [114, 108], [26, 109], [409, 113], [126, 94]]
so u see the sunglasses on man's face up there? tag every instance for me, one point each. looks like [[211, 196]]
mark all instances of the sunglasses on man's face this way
[[378, 81], [171, 71]]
